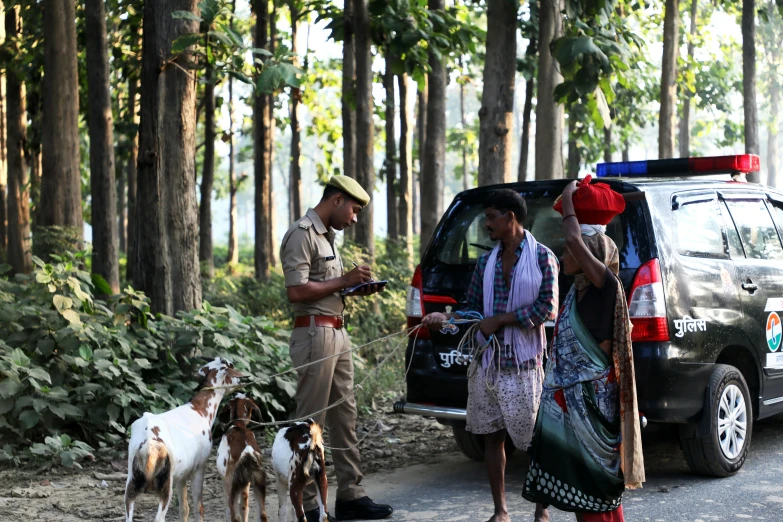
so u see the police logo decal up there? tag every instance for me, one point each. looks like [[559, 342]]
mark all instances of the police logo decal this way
[[774, 331]]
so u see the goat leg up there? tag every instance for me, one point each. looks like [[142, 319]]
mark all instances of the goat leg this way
[[323, 491], [182, 496], [296, 500], [259, 490], [282, 511], [197, 488], [165, 500]]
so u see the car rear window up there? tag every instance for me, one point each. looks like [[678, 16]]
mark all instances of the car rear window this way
[[462, 237]]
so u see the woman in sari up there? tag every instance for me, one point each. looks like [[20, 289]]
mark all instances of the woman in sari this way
[[587, 442]]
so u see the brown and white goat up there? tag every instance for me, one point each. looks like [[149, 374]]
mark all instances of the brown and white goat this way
[[298, 459], [239, 462], [169, 449]]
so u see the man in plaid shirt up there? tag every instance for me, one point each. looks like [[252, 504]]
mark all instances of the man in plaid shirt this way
[[503, 396]]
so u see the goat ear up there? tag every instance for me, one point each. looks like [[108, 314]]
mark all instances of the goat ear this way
[[224, 415], [256, 409]]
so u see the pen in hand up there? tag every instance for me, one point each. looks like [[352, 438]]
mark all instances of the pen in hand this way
[[357, 266]]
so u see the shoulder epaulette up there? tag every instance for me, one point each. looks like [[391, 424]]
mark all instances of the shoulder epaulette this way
[[304, 226]]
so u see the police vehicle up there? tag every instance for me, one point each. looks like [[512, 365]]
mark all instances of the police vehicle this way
[[701, 260]]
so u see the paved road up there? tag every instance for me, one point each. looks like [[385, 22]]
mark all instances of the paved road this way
[[456, 489]]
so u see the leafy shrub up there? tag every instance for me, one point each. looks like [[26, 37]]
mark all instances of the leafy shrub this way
[[71, 364], [369, 318]]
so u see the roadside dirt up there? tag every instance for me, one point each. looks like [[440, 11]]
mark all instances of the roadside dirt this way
[[96, 492]]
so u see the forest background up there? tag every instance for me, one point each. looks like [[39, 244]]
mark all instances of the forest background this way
[[153, 153]]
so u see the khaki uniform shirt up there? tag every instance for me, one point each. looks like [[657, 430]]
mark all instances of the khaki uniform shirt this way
[[308, 254]]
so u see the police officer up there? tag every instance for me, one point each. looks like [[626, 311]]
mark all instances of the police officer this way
[[314, 280]]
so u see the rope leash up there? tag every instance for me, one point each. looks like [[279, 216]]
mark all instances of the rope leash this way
[[262, 380], [406, 335], [357, 386]]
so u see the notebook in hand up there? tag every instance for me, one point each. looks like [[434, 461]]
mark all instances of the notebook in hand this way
[[374, 286]]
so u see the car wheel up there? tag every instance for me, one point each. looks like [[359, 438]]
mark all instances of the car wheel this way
[[472, 445], [723, 451]]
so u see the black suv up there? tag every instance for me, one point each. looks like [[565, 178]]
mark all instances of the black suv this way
[[701, 260]]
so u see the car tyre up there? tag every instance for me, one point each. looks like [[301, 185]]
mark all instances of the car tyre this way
[[723, 451], [472, 445]]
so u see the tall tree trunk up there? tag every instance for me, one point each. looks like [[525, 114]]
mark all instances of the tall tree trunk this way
[[205, 251], [60, 225], [122, 216], [3, 152], [19, 255], [390, 163], [365, 174], [684, 141], [421, 139], [530, 86], [405, 208], [497, 100], [130, 174], [666, 121], [574, 154], [608, 144], [233, 238], [348, 100], [349, 93], [105, 260], [295, 175], [549, 113], [262, 168], [433, 170], [271, 235], [166, 260], [749, 81], [524, 153], [773, 160], [463, 123], [626, 150]]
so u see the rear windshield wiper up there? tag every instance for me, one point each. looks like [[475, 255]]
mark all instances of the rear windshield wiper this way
[[483, 247]]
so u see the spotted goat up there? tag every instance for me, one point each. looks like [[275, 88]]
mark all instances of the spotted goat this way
[[298, 459], [169, 449], [239, 462]]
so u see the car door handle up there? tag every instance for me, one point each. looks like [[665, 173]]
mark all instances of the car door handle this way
[[750, 287]]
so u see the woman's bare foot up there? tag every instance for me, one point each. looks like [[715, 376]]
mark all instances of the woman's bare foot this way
[[542, 514], [500, 517]]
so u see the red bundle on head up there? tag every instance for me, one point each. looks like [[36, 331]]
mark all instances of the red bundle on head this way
[[594, 204]]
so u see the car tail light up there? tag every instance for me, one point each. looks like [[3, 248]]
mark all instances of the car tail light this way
[[646, 305], [414, 302], [414, 307]]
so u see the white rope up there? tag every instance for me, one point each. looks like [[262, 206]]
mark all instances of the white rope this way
[[358, 386], [290, 370]]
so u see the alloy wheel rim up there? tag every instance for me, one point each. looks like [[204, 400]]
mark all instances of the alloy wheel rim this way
[[732, 422]]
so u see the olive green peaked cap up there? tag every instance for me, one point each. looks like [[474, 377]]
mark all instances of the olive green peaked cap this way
[[351, 187]]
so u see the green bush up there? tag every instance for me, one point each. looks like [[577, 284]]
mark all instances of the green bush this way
[[72, 364], [369, 318]]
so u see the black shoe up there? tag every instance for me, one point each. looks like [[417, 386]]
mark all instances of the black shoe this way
[[361, 509], [314, 515]]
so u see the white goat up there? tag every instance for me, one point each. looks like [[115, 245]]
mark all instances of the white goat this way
[[239, 462], [168, 449], [298, 459]]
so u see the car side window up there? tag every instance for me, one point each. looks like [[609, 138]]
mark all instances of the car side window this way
[[756, 229], [700, 230], [778, 209], [735, 244]]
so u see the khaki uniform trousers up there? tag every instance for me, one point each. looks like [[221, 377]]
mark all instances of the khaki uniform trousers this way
[[320, 385]]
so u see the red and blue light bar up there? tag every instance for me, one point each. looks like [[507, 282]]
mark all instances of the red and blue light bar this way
[[742, 163]]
